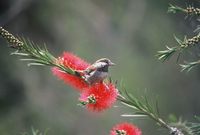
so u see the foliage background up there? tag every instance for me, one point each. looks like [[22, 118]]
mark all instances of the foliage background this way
[[129, 32]]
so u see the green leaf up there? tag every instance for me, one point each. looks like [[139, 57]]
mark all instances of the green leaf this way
[[166, 54], [21, 54], [174, 9], [136, 114], [188, 66], [35, 64], [34, 54], [198, 118], [178, 40], [131, 106], [28, 59]]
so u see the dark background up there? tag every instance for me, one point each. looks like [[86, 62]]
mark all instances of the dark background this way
[[129, 32]]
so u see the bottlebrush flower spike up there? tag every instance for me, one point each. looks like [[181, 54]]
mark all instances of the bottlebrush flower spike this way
[[99, 96], [125, 129], [73, 62]]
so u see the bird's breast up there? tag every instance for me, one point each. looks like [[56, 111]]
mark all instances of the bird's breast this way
[[96, 76]]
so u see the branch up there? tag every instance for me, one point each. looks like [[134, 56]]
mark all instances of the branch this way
[[189, 10], [195, 127], [144, 108], [32, 53], [189, 128], [174, 9], [182, 45]]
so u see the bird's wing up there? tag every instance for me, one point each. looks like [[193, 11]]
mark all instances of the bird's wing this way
[[94, 67]]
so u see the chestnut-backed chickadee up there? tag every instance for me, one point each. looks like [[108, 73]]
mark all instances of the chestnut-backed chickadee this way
[[97, 72]]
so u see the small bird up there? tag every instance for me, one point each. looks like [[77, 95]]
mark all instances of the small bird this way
[[97, 72]]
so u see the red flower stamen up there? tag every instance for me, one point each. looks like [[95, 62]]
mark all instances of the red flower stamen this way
[[73, 62], [125, 129], [104, 94]]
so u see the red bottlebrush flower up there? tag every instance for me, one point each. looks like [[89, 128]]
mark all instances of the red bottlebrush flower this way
[[99, 96], [75, 63], [125, 129]]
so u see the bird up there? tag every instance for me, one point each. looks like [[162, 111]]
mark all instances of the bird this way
[[97, 72]]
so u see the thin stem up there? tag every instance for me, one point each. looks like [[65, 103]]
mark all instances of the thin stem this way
[[151, 115], [137, 105], [33, 53]]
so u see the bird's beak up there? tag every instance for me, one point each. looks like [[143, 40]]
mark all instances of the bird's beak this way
[[112, 64]]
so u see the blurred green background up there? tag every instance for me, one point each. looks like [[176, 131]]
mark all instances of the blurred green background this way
[[129, 32]]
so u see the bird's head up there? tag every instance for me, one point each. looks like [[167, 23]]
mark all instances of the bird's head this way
[[106, 61]]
